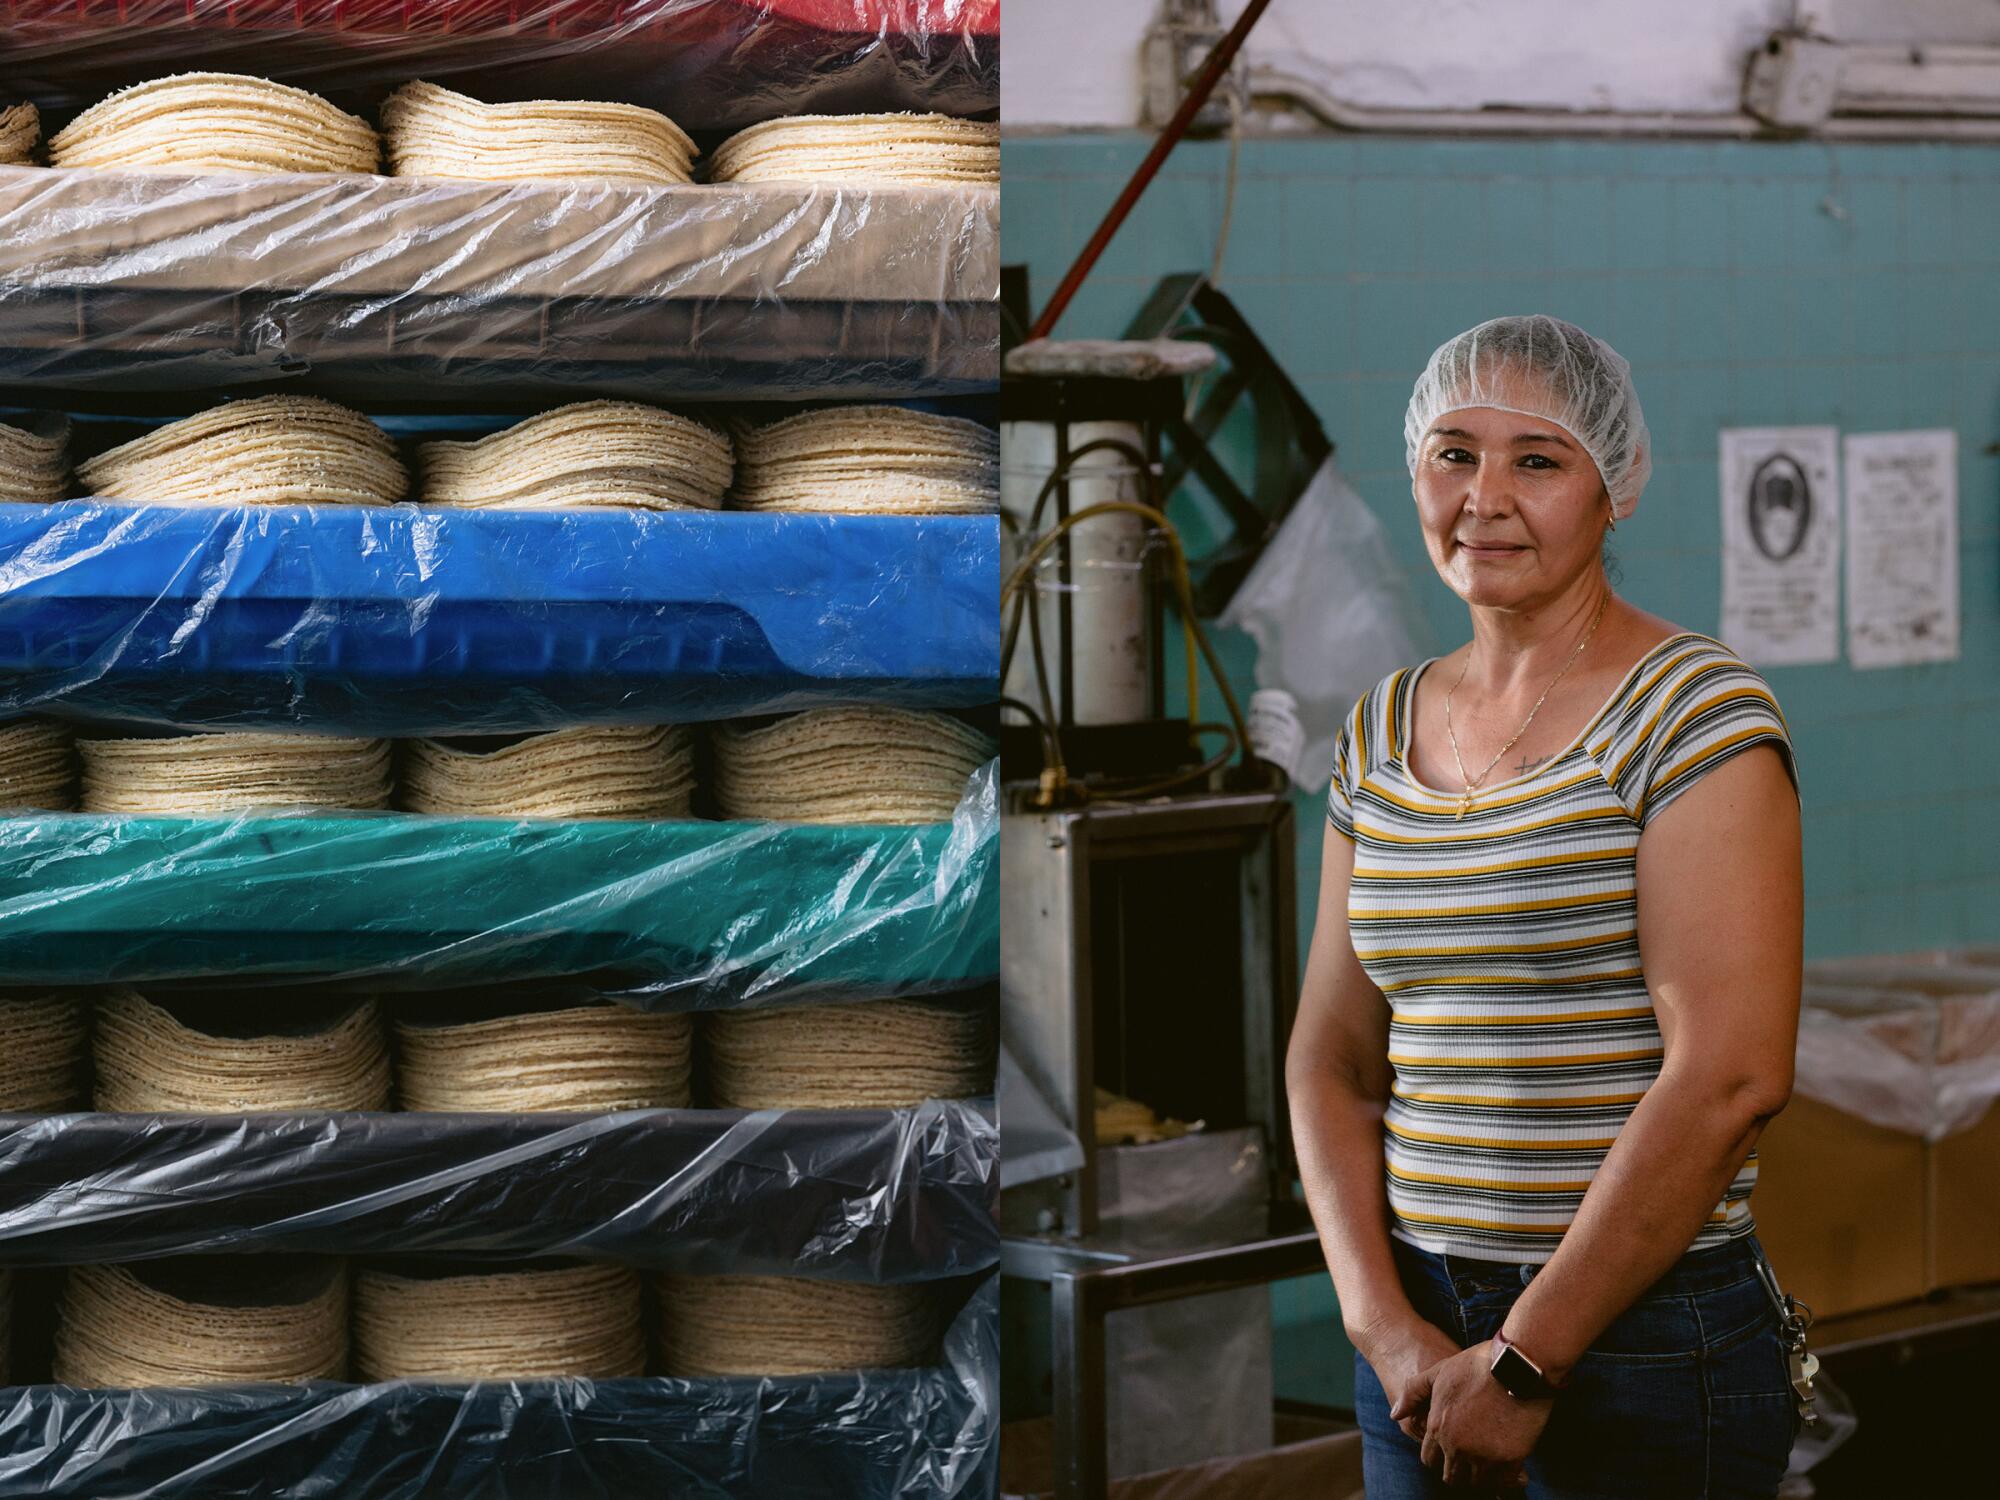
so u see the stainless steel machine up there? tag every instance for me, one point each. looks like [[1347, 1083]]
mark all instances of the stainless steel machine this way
[[1149, 948]]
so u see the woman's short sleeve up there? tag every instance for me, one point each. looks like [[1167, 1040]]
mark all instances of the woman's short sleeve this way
[[1698, 710], [1340, 787]]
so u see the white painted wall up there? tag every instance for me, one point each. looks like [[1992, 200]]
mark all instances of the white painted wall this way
[[1075, 63], [1938, 21]]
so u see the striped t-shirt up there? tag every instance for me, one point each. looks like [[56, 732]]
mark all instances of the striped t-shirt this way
[[1521, 1031]]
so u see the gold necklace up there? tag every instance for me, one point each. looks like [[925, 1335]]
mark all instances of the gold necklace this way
[[1472, 783]]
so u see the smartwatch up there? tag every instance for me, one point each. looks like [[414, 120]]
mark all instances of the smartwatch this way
[[1519, 1376]]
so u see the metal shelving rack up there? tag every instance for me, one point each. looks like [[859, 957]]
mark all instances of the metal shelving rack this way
[[87, 320]]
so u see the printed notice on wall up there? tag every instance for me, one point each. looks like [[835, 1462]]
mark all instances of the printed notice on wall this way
[[1902, 547], [1781, 544]]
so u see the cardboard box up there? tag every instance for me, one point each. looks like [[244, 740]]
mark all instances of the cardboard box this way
[[1841, 1209], [1964, 1176], [1964, 1202], [1311, 1458], [1925, 1052]]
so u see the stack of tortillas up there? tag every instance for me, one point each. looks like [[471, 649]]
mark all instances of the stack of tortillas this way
[[563, 1320], [1127, 1122], [44, 1039], [20, 129], [633, 772], [233, 772], [793, 1325], [216, 122], [37, 766], [913, 150], [203, 1320], [204, 1057], [847, 765], [874, 1054], [268, 450], [34, 458], [433, 132], [582, 1057], [594, 454], [869, 460]]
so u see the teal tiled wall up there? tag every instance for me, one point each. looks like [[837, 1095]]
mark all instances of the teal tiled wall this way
[[1750, 284]]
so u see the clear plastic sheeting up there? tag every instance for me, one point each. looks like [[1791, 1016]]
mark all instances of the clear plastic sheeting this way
[[1331, 611], [377, 288], [888, 1433], [867, 1195], [711, 64], [673, 915], [1923, 1064], [404, 621]]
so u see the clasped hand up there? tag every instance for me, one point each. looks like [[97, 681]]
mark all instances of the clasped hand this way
[[1471, 1430]]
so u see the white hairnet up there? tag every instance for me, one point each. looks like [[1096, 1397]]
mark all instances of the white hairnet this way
[[1542, 367]]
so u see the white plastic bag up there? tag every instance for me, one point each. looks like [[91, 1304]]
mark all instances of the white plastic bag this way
[[1923, 1064], [1813, 1446], [1331, 612]]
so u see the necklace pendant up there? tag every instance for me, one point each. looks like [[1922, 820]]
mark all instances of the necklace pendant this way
[[1464, 805]]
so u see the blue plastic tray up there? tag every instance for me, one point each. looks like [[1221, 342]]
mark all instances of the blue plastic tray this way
[[405, 621]]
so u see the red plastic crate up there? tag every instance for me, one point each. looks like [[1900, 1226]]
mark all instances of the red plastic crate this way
[[712, 64], [578, 18]]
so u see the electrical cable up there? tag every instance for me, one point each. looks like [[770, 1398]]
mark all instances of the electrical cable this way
[[1051, 745], [1197, 638], [1141, 464], [1196, 646], [1117, 792]]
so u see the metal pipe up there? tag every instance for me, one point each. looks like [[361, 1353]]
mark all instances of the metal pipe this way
[[1277, 84], [1870, 128], [1212, 69]]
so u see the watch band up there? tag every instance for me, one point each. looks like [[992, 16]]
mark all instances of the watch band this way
[[1518, 1375]]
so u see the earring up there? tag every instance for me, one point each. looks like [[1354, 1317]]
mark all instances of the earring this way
[[1614, 521]]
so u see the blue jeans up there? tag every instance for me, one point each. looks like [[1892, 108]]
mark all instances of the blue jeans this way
[[1685, 1395]]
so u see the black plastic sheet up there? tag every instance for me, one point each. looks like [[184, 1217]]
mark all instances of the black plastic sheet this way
[[866, 1195], [869, 1435]]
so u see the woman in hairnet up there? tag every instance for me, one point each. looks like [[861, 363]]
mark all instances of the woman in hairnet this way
[[1553, 993]]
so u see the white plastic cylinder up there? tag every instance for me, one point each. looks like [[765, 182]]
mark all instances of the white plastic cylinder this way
[[1109, 589]]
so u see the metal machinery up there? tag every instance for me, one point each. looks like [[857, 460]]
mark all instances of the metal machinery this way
[[1151, 949], [1149, 923]]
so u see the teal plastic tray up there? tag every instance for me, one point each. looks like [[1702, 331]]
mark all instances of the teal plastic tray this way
[[688, 914]]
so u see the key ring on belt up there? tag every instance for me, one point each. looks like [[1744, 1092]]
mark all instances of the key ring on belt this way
[[1794, 1318]]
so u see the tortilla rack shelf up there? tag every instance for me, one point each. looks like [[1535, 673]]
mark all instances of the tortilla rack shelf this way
[[406, 621], [859, 1433], [692, 1190], [717, 64], [699, 914], [138, 294], [379, 288]]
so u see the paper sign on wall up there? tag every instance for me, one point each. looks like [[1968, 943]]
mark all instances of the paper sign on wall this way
[[1902, 547], [1781, 544]]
